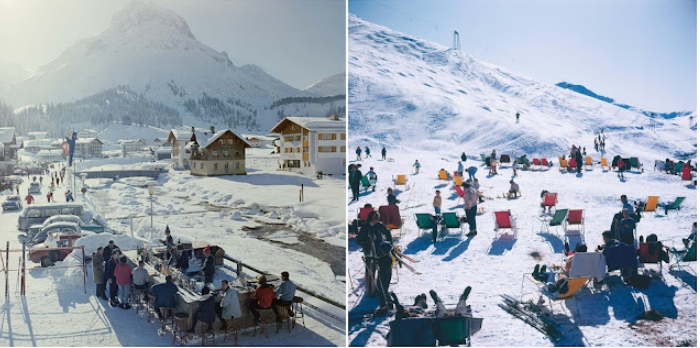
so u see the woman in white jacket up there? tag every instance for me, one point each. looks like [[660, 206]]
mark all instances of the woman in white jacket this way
[[230, 307]]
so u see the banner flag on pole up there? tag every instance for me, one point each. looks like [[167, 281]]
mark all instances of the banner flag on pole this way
[[71, 145]]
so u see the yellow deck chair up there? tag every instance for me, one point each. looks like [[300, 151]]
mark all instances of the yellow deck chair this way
[[589, 162], [400, 180], [651, 205], [575, 286], [604, 163], [563, 165], [458, 180], [442, 174]]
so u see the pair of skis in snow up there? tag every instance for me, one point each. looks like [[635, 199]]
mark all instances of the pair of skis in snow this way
[[401, 258], [531, 314]]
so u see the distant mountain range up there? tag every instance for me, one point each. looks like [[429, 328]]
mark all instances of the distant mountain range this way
[[149, 52], [585, 91]]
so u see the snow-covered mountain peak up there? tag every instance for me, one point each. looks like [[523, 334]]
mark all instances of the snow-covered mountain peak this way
[[141, 16], [331, 85]]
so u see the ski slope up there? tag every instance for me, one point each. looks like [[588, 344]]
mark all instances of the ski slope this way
[[425, 102]]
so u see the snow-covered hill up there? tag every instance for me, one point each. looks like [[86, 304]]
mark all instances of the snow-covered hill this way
[[331, 85], [151, 50], [11, 73], [116, 131], [412, 94]]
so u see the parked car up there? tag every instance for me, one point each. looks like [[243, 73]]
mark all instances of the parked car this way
[[62, 227], [94, 227], [60, 239], [12, 202], [38, 213], [35, 188]]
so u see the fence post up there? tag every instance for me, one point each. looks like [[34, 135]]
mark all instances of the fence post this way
[[7, 274], [24, 270], [84, 270]]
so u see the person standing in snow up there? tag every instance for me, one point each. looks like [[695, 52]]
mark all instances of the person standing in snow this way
[[384, 261], [595, 143], [584, 151], [464, 157], [572, 153], [383, 153], [472, 171], [471, 197], [359, 153], [515, 165], [98, 273], [579, 161], [122, 273], [168, 238], [208, 265], [437, 202], [416, 165], [367, 152], [29, 198], [372, 176], [460, 168], [621, 168], [391, 198], [355, 179], [517, 117], [494, 162], [110, 267]]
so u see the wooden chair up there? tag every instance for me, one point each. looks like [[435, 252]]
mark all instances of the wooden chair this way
[[232, 330], [298, 307]]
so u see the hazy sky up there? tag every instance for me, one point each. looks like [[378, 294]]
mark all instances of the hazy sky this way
[[639, 52], [298, 41]]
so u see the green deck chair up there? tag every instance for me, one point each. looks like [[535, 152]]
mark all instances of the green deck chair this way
[[424, 222], [556, 221], [679, 167], [685, 255], [365, 183], [451, 331], [634, 163], [485, 159], [451, 220], [676, 205]]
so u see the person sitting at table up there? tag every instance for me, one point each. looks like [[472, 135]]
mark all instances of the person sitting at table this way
[[264, 294], [165, 295], [206, 311], [285, 295], [229, 307], [142, 280], [208, 265]]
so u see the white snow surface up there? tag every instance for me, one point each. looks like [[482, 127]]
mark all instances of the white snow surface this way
[[393, 106], [329, 86]]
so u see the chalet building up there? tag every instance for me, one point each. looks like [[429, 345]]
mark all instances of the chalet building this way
[[256, 141], [88, 148], [87, 133], [182, 141], [221, 154], [157, 141], [312, 144], [51, 156], [132, 145], [34, 146], [38, 135], [8, 150]]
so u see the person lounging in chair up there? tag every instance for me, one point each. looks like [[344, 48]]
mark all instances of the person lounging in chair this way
[[420, 304], [554, 286]]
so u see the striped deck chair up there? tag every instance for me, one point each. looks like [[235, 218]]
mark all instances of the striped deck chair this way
[[589, 162], [503, 220], [651, 204]]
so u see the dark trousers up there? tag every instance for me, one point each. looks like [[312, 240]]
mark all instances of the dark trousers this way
[[253, 306], [209, 277], [195, 319], [145, 286], [383, 285], [471, 218], [100, 290], [281, 303], [113, 288], [355, 191], [220, 313]]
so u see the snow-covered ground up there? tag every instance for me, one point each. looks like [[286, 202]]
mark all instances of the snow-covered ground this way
[[307, 239], [423, 101]]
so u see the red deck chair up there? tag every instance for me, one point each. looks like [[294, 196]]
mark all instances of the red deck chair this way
[[535, 162], [390, 216], [646, 255], [685, 174], [363, 213], [460, 193], [544, 162], [550, 200], [503, 220], [572, 164], [575, 218]]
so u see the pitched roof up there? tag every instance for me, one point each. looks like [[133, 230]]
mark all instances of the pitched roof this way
[[87, 140], [39, 143], [312, 123], [7, 134], [218, 134]]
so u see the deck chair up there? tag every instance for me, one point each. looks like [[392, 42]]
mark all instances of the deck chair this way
[[365, 183], [575, 286], [363, 213], [575, 218], [686, 175], [678, 167], [486, 160], [390, 216], [651, 205], [621, 256], [650, 253], [634, 163], [660, 166], [604, 164], [451, 331], [556, 220], [412, 332], [686, 255], [550, 200], [589, 163], [400, 179], [572, 164], [458, 180], [589, 264], [545, 164], [460, 193], [442, 175], [536, 163], [451, 220], [425, 222], [676, 205], [503, 220], [563, 165], [505, 159]]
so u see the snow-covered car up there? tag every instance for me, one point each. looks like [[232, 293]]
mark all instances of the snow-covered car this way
[[58, 227], [97, 228], [60, 239], [12, 202], [35, 188]]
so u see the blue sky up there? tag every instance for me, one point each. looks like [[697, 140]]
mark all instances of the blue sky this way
[[298, 41], [639, 52]]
